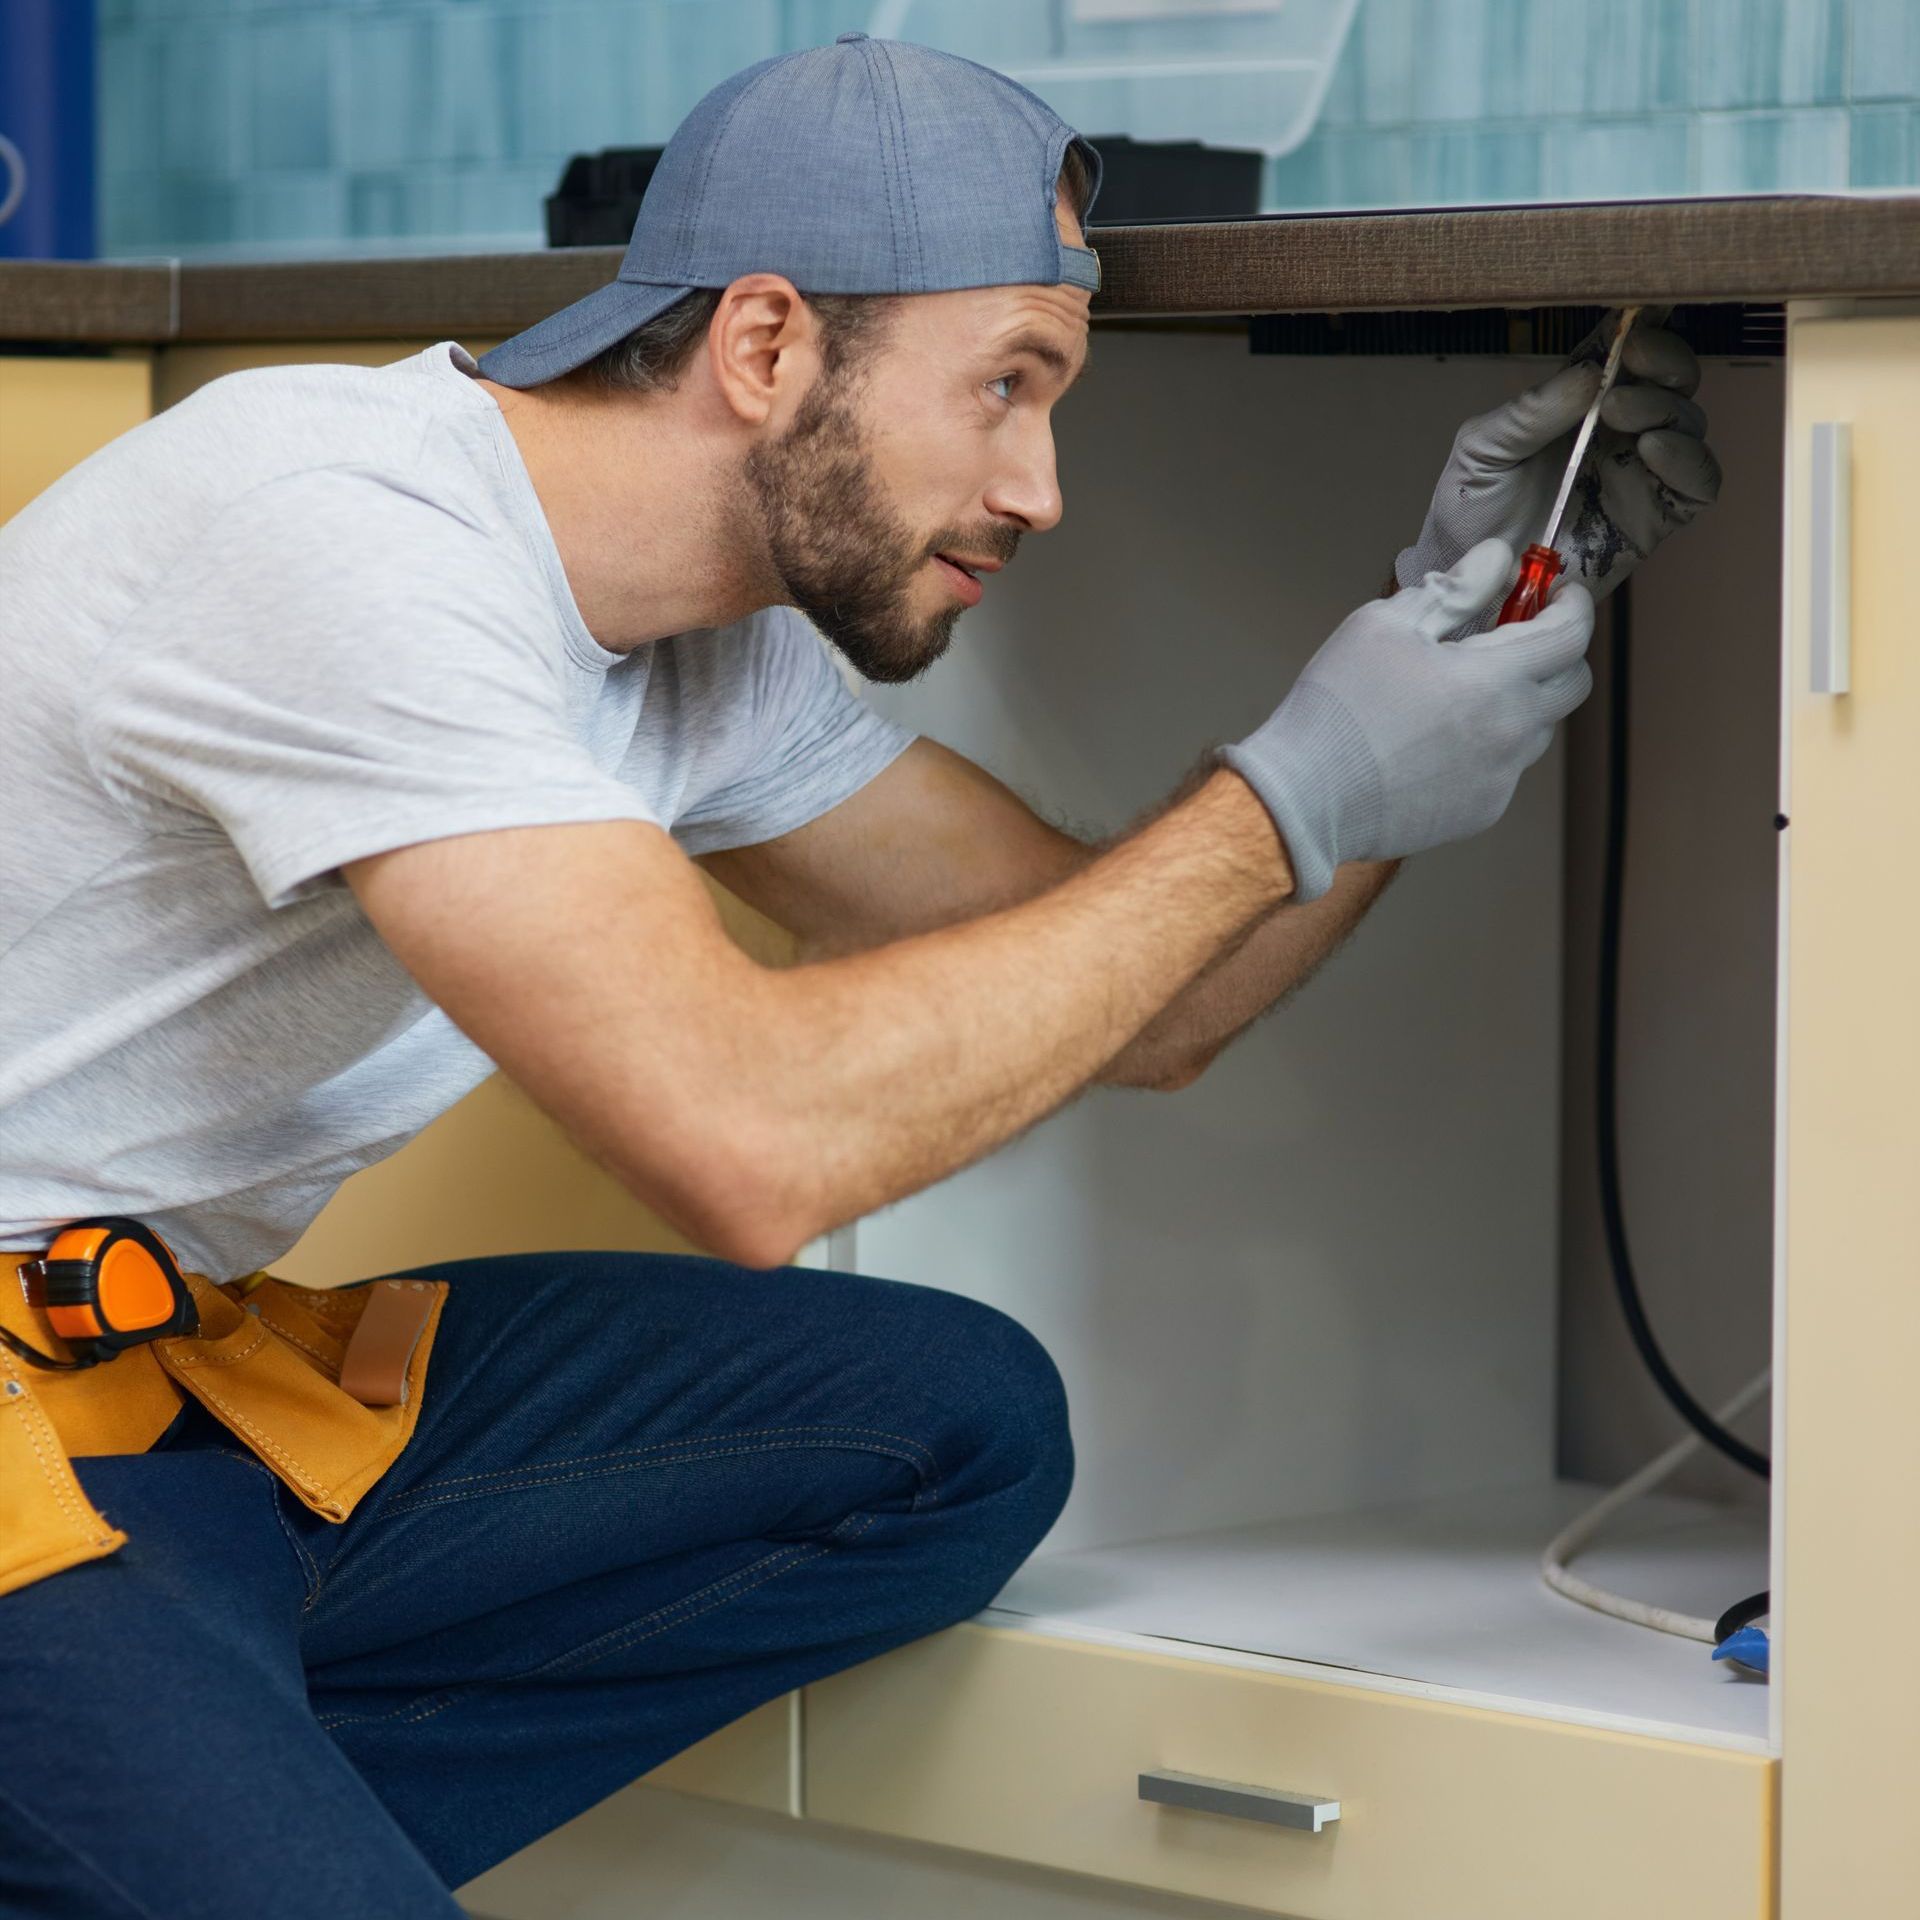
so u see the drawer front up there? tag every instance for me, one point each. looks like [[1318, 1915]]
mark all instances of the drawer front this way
[[1031, 1748]]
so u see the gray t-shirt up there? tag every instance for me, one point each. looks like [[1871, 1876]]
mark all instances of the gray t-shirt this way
[[310, 614]]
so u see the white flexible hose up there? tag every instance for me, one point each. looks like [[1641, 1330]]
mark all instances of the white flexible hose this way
[[1578, 1535]]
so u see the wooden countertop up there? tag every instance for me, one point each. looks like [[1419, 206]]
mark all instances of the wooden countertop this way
[[1761, 249]]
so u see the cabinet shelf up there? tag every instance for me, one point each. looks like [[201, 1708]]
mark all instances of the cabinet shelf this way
[[1440, 1598]]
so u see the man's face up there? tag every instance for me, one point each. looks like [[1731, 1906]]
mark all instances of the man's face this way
[[907, 477]]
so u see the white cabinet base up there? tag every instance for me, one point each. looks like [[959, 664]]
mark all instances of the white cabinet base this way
[[1442, 1599]]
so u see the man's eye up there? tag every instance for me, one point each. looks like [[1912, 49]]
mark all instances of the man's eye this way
[[1003, 387]]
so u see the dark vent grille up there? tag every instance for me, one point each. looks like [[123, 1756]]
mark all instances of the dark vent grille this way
[[1725, 330]]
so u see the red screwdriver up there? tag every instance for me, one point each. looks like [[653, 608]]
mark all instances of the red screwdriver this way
[[1541, 566]]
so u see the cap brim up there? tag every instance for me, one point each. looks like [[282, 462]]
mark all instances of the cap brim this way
[[571, 337]]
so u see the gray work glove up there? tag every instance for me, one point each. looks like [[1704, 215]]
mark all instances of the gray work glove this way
[[1648, 468], [1393, 741]]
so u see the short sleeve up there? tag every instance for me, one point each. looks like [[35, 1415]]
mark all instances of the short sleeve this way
[[336, 668], [802, 742]]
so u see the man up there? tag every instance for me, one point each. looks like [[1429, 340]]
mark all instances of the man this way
[[366, 729]]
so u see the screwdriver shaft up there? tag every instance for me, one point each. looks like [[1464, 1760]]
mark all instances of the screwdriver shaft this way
[[1583, 439]]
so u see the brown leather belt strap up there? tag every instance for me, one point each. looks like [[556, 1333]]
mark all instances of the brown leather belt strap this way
[[374, 1368]]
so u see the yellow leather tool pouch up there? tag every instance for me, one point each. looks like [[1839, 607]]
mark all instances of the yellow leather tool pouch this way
[[265, 1363]]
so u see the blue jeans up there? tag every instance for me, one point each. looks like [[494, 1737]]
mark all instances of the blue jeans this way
[[646, 1494]]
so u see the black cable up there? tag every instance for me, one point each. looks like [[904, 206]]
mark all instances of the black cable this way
[[34, 1357], [1743, 1613], [1608, 1051]]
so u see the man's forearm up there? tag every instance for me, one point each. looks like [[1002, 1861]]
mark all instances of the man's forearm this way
[[1272, 959], [895, 1067], [1279, 954], [758, 1106], [1268, 961]]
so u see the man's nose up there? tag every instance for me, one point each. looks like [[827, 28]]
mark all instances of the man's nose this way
[[1028, 489]]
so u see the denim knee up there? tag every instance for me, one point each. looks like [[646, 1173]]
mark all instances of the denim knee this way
[[1005, 1420]]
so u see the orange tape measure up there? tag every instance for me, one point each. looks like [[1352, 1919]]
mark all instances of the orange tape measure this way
[[105, 1285]]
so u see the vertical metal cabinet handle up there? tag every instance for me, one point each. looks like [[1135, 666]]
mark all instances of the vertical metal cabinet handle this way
[[1830, 558], [1309, 1812]]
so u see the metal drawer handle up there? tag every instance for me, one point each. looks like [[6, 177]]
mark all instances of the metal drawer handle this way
[[1830, 557], [1308, 1812]]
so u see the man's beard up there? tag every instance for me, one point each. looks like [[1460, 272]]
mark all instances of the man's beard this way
[[845, 557]]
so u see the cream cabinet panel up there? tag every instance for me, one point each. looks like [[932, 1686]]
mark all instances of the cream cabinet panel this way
[[749, 1764], [1030, 1748], [1850, 1079], [179, 371], [54, 412], [492, 1175]]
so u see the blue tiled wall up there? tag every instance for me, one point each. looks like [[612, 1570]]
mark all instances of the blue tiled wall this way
[[332, 126], [1461, 100]]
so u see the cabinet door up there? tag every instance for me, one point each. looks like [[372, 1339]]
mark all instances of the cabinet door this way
[[54, 412], [1850, 1086]]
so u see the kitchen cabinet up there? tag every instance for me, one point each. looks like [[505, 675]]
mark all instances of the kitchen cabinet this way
[[1316, 1377]]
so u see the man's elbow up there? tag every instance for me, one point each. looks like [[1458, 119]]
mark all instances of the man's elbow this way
[[742, 1196], [749, 1240]]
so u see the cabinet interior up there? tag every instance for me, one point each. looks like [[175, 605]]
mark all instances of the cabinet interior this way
[[1332, 1323]]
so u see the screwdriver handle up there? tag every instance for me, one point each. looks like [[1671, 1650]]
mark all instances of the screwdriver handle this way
[[1540, 567]]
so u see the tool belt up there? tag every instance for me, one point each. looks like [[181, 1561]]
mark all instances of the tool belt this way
[[324, 1387]]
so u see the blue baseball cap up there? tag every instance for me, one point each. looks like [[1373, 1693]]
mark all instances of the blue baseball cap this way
[[870, 166]]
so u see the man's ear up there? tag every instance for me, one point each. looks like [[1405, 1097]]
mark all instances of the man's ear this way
[[762, 346], [1066, 222]]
